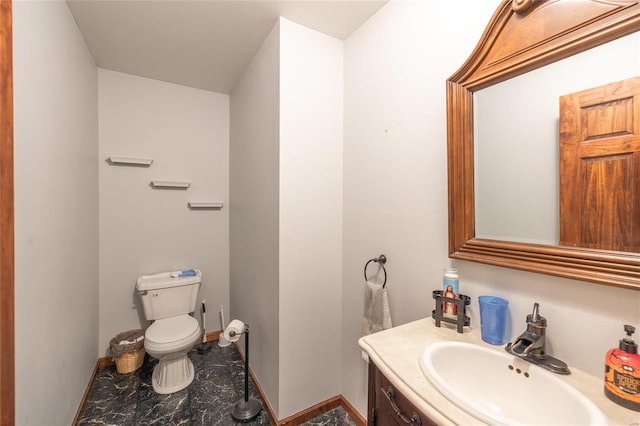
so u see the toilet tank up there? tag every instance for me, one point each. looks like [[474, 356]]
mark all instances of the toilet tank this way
[[164, 296]]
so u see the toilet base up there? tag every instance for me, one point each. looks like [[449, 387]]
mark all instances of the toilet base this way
[[172, 375]]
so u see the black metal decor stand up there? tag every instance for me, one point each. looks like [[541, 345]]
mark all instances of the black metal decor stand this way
[[247, 408], [461, 302]]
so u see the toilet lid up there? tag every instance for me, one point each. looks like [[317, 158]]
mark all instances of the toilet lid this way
[[172, 329]]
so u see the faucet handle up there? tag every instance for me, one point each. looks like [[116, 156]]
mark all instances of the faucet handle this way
[[535, 318], [535, 312]]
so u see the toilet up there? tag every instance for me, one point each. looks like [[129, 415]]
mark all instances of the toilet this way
[[168, 301]]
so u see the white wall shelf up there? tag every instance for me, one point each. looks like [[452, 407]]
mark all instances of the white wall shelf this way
[[130, 161], [204, 205], [170, 184]]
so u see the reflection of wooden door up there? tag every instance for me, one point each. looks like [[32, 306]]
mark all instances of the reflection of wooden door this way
[[600, 167]]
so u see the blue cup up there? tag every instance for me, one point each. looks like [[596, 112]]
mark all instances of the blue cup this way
[[493, 318]]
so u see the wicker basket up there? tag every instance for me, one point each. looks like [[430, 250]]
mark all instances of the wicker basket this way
[[130, 361], [128, 351]]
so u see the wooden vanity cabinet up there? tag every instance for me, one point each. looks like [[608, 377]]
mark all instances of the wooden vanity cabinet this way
[[387, 406]]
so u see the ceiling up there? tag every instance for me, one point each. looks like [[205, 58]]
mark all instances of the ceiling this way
[[205, 44]]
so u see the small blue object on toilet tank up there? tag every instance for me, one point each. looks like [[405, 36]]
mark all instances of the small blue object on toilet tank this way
[[188, 273], [185, 273]]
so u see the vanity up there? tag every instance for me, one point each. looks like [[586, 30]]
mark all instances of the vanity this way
[[394, 362]]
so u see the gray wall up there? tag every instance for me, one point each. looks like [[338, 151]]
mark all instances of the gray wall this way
[[311, 99], [143, 230], [56, 213], [254, 204], [286, 222]]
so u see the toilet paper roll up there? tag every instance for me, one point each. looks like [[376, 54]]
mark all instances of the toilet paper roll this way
[[235, 327]]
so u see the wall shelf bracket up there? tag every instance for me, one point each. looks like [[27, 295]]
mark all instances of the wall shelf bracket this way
[[169, 184], [129, 161], [204, 205]]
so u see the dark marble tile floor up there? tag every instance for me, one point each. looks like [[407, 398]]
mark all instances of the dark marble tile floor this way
[[129, 399]]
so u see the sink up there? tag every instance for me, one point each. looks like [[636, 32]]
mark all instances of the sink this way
[[499, 388]]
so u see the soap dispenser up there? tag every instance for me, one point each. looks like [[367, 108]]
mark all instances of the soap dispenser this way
[[622, 373]]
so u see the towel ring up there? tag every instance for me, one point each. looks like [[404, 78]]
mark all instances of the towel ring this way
[[381, 260]]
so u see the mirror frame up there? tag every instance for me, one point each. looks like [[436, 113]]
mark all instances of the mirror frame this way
[[521, 36]]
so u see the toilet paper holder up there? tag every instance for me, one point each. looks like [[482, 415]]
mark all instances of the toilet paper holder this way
[[247, 408], [234, 330], [233, 333]]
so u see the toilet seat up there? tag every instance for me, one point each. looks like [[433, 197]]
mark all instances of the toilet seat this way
[[170, 334]]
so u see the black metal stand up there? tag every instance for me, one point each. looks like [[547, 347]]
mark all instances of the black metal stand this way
[[461, 302], [246, 409]]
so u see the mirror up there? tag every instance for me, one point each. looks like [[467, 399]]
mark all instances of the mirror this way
[[517, 139], [522, 37]]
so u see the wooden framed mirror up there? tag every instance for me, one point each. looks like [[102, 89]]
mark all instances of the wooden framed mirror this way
[[524, 35]]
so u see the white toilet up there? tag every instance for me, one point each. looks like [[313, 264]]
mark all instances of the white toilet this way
[[168, 302]]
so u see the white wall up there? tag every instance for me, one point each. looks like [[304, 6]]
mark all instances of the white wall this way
[[286, 226], [310, 216], [56, 213], [144, 230], [254, 194], [395, 192]]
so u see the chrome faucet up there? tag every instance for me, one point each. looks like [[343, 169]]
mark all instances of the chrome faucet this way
[[530, 345]]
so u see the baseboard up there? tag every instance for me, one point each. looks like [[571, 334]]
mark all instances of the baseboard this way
[[321, 408], [103, 362], [296, 419], [311, 412], [86, 393], [214, 336], [352, 412]]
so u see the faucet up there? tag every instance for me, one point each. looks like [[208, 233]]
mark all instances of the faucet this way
[[530, 345]]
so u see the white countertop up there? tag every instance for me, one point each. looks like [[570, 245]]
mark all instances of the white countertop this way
[[396, 353]]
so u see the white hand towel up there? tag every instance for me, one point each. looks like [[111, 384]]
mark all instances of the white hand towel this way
[[377, 316]]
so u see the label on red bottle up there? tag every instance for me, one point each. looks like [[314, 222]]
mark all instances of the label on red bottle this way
[[626, 383]]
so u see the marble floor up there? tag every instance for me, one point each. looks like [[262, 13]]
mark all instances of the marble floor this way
[[129, 399]]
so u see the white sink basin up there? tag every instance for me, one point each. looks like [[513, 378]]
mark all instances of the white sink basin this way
[[499, 388]]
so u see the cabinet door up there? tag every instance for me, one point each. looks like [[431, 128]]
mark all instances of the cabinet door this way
[[389, 407]]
